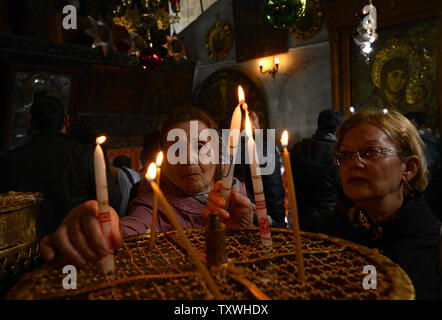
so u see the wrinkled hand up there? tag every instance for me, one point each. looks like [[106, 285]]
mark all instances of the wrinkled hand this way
[[239, 213], [79, 237]]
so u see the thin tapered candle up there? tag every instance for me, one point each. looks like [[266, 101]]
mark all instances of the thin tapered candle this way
[[232, 146], [293, 205], [258, 188], [150, 176], [104, 216], [159, 161]]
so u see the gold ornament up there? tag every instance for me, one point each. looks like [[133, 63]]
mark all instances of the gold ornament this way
[[310, 24], [219, 41]]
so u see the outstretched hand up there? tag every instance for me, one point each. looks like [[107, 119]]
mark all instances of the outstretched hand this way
[[239, 213], [79, 237]]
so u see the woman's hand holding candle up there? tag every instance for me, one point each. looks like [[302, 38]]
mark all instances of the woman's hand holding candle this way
[[79, 237], [239, 213]]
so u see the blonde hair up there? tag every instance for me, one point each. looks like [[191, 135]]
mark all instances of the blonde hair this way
[[399, 130]]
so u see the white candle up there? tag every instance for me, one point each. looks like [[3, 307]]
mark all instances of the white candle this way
[[232, 147], [104, 216], [258, 188]]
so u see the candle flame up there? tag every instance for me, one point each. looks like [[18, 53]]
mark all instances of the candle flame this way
[[151, 172], [159, 160], [276, 60], [241, 95], [261, 63], [285, 139], [249, 131], [100, 139]]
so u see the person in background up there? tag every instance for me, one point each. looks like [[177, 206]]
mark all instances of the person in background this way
[[382, 169], [126, 177], [433, 192], [54, 164], [432, 154], [314, 173]]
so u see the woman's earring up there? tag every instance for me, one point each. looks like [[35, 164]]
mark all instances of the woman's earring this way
[[407, 186]]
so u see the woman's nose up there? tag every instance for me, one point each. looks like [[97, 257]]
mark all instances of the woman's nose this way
[[355, 161], [192, 154]]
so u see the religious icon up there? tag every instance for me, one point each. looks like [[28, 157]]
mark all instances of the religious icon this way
[[390, 75], [401, 75]]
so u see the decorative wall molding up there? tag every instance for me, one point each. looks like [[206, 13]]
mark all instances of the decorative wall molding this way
[[123, 130], [37, 47]]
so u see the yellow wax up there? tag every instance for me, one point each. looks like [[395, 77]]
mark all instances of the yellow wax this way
[[295, 221], [153, 225]]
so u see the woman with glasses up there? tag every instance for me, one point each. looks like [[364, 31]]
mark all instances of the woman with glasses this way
[[382, 170]]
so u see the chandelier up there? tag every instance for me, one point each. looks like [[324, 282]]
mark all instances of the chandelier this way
[[145, 16], [367, 30]]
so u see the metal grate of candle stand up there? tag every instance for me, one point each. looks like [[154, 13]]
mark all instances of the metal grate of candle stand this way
[[333, 268]]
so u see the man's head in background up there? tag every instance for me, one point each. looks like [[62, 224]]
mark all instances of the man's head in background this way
[[329, 121], [122, 161], [47, 113], [418, 119]]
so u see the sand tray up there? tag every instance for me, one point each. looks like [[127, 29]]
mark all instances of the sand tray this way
[[333, 268]]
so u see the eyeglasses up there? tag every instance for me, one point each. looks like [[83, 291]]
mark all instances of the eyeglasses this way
[[365, 154]]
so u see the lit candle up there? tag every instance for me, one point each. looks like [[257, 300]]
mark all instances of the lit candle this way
[[104, 216], [258, 189], [276, 61], [150, 176], [232, 147], [159, 161], [293, 205]]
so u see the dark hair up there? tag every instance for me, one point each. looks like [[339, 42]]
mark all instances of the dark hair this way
[[329, 120], [185, 113], [47, 113], [419, 117], [122, 161]]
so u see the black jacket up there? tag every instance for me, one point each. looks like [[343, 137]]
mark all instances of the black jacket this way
[[314, 174], [433, 192], [59, 167], [411, 241], [431, 149]]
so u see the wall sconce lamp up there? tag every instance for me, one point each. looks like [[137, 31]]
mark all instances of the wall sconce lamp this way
[[272, 71]]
